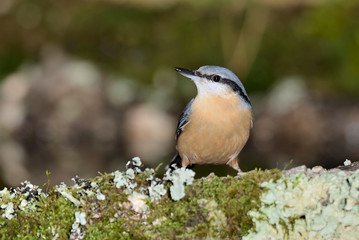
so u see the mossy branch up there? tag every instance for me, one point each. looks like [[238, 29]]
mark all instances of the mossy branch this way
[[138, 205]]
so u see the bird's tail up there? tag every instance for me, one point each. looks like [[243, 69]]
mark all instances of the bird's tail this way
[[175, 163]]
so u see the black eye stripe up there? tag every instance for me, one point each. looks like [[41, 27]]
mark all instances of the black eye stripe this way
[[203, 75], [228, 82], [236, 89], [207, 76]]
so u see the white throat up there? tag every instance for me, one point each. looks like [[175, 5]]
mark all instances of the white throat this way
[[205, 87]]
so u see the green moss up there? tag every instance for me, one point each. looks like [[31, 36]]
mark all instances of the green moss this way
[[234, 197], [213, 207], [54, 212]]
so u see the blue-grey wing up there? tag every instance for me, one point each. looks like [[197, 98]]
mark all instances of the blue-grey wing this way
[[184, 118]]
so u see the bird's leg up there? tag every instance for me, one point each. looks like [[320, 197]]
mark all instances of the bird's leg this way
[[178, 162], [234, 164], [185, 161]]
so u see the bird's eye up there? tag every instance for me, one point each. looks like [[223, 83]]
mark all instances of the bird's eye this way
[[216, 78]]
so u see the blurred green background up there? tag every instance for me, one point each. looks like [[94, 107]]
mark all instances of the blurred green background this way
[[86, 85]]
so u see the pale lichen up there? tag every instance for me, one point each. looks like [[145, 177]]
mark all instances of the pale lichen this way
[[125, 178], [76, 231], [24, 195], [299, 207], [100, 195], [80, 217], [156, 190], [3, 192], [216, 217], [135, 164], [179, 177], [62, 189], [347, 162], [9, 210]]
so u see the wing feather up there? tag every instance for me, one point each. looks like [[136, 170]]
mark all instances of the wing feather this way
[[184, 119]]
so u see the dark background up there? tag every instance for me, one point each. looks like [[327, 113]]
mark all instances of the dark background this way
[[86, 85]]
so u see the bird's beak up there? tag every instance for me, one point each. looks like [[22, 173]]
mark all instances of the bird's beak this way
[[186, 72]]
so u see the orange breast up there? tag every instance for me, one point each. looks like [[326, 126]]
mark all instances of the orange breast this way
[[217, 131]]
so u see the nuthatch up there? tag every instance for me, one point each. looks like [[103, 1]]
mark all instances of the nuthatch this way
[[215, 125]]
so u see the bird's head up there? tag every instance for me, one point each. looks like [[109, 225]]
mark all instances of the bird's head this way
[[216, 80]]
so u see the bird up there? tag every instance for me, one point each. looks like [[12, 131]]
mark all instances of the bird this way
[[215, 125]]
